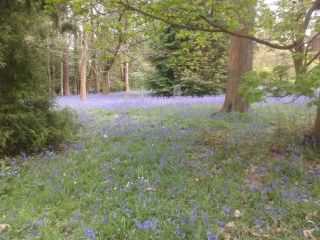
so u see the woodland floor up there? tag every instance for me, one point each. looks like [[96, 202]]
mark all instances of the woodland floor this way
[[157, 168]]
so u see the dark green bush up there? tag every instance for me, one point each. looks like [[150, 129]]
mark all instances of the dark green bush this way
[[28, 122], [29, 129]]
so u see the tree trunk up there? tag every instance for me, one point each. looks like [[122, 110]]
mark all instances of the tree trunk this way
[[94, 73], [298, 60], [49, 72], [83, 67], [76, 85], [61, 78], [126, 77], [240, 62], [66, 86], [316, 130], [106, 81], [121, 72]]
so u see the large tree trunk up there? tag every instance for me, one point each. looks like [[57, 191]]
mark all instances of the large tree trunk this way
[[83, 67], [240, 62], [65, 60]]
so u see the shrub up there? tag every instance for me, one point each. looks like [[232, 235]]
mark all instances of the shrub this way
[[27, 119], [29, 129]]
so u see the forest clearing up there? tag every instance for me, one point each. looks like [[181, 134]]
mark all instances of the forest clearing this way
[[170, 171], [171, 119]]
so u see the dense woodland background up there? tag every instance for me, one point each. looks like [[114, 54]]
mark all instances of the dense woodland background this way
[[60, 47]]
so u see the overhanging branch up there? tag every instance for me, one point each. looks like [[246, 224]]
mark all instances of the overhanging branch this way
[[214, 28]]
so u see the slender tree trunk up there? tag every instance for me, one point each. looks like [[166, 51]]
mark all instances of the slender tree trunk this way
[[49, 72], [126, 77], [316, 130], [298, 60], [76, 85], [121, 72], [240, 62], [106, 81], [96, 77], [61, 78], [83, 67], [66, 86]]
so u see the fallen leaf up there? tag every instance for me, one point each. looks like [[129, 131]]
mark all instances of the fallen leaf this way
[[307, 233], [230, 225], [4, 227], [237, 213]]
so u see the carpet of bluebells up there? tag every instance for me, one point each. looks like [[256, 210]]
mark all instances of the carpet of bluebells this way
[[169, 168]]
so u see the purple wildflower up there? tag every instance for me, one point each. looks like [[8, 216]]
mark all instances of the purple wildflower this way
[[295, 195], [90, 234], [226, 210], [221, 224], [194, 215], [212, 236], [259, 223], [150, 224]]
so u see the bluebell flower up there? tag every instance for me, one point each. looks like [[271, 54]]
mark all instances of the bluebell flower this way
[[150, 224], [259, 223], [212, 236], [90, 234], [221, 224], [226, 210]]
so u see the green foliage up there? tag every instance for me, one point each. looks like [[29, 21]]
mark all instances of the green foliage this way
[[256, 85], [27, 121], [251, 86], [192, 62], [308, 83], [30, 128]]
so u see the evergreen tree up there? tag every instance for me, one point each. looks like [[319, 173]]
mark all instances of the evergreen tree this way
[[27, 121], [188, 63]]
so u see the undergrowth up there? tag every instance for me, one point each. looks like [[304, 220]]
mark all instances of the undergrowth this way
[[171, 173]]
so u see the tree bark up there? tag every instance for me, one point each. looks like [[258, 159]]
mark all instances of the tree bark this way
[[76, 84], [106, 81], [83, 67], [298, 57], [240, 62], [61, 78], [65, 60], [316, 130], [126, 77], [49, 71], [121, 72]]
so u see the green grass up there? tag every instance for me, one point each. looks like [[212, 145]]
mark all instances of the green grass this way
[[184, 169]]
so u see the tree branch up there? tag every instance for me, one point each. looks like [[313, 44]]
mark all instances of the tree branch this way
[[315, 6], [317, 55], [213, 28], [253, 38]]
